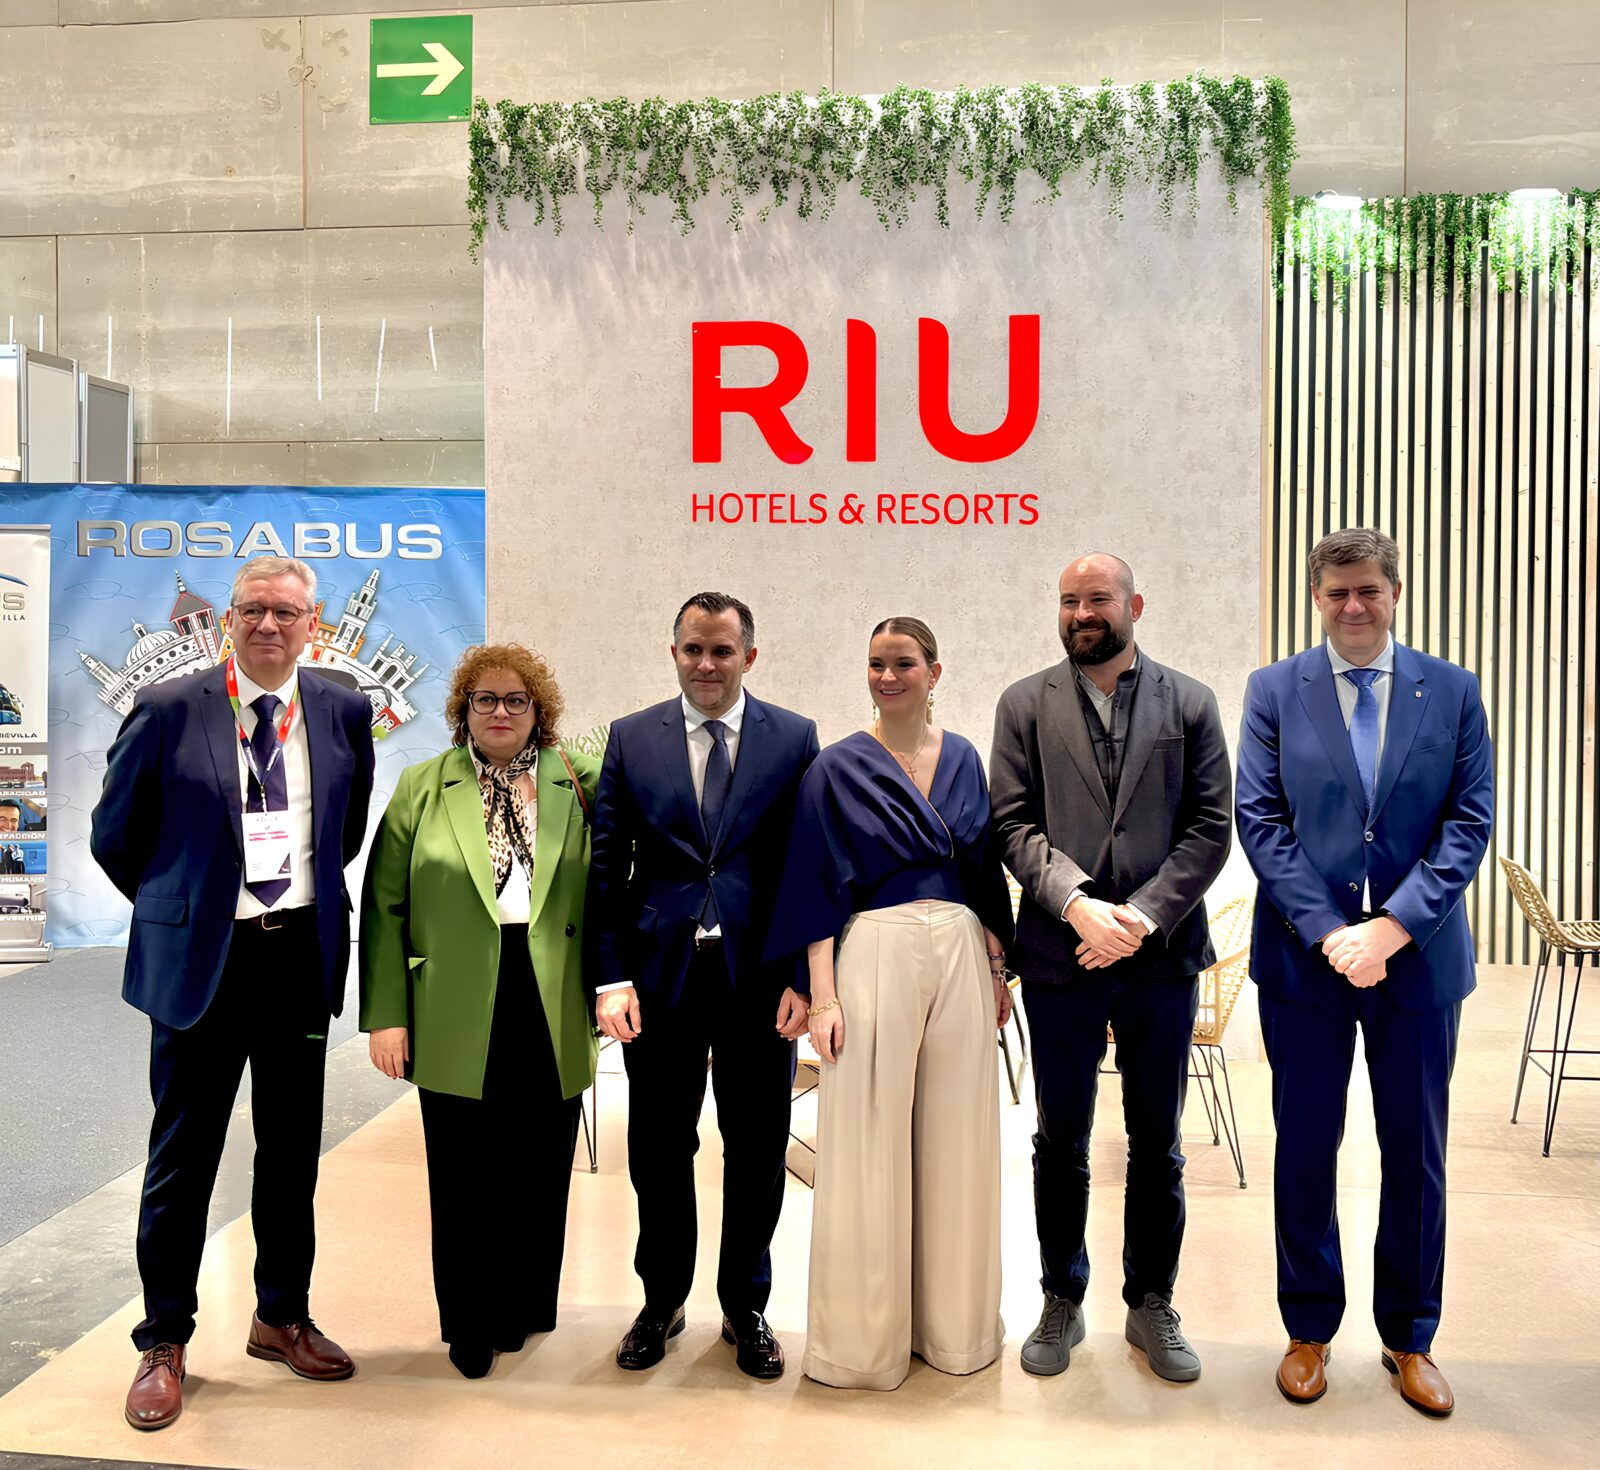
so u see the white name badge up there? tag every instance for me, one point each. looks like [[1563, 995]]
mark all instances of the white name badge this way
[[267, 850]]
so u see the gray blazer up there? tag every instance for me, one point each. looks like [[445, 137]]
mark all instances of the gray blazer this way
[[1160, 849]]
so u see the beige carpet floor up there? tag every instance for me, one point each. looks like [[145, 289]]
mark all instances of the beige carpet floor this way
[[1518, 1339]]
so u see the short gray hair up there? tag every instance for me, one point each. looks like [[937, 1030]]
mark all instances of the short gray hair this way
[[1346, 548], [265, 568]]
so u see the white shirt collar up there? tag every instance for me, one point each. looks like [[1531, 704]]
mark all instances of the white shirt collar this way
[[1383, 663], [694, 718], [250, 691]]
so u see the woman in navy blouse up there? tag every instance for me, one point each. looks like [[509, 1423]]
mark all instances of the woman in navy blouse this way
[[893, 886]]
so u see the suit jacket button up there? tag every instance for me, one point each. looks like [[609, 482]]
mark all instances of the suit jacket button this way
[[1367, 835], [1353, 888], [571, 930], [711, 872]]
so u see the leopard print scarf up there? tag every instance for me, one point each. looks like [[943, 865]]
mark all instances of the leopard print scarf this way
[[505, 814]]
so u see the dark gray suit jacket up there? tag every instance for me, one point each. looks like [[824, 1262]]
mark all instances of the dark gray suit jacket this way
[[1160, 849]]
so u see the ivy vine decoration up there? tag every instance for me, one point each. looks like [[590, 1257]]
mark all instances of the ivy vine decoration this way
[[793, 149], [1459, 238]]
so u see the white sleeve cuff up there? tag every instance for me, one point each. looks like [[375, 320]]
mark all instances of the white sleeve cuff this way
[[615, 985], [1144, 918]]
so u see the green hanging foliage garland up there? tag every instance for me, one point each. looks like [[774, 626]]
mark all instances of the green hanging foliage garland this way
[[1464, 237], [793, 148]]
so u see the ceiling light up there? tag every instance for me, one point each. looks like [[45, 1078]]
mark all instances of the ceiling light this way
[[1327, 199]]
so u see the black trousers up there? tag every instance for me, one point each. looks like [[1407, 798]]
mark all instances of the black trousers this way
[[1154, 1025], [271, 1010], [1410, 1056], [752, 1074], [499, 1168]]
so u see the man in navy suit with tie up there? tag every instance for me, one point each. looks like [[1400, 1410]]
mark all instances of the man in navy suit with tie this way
[[1365, 801], [233, 800], [691, 825]]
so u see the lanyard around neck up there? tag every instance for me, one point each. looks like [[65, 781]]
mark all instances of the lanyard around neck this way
[[284, 726]]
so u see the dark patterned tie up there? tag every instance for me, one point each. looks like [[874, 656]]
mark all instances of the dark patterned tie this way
[[274, 785], [713, 795]]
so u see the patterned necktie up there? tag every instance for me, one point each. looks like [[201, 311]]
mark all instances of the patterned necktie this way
[[1364, 730], [713, 794], [271, 791]]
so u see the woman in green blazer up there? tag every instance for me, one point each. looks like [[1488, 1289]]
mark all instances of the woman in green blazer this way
[[471, 986]]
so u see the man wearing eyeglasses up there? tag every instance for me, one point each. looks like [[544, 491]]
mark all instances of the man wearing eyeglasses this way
[[233, 800]]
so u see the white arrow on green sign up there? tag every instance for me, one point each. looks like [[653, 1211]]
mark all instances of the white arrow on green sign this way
[[421, 69]]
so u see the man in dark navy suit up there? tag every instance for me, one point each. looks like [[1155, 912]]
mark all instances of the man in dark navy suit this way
[[691, 824], [1366, 797], [233, 800]]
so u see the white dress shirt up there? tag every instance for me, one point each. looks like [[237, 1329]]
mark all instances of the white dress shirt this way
[[1382, 689], [700, 742], [296, 761]]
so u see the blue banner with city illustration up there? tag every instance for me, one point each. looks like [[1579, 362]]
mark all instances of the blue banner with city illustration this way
[[140, 578]]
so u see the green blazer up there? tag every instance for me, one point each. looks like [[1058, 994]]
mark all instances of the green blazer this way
[[430, 938]]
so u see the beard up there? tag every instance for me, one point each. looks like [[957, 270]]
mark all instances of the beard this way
[[1110, 643]]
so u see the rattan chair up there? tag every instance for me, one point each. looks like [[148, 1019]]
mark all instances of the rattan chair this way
[[1220, 985], [1575, 937]]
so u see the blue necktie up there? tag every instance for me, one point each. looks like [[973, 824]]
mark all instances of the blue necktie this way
[[274, 785], [713, 793], [1364, 730]]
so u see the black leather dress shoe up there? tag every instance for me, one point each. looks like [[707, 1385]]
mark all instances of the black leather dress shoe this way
[[645, 1343], [760, 1354]]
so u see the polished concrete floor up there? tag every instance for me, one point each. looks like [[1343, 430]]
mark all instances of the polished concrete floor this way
[[1517, 1339]]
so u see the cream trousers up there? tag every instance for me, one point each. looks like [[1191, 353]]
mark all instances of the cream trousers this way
[[905, 1227]]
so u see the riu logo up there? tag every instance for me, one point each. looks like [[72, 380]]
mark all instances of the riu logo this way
[[765, 404]]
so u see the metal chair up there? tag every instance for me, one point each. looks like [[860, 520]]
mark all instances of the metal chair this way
[[1219, 986], [1577, 937]]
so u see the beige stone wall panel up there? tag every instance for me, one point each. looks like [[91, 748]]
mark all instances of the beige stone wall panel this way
[[358, 174], [28, 291], [170, 298], [117, 129]]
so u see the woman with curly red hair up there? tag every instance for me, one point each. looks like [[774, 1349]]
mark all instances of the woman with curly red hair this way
[[472, 988]]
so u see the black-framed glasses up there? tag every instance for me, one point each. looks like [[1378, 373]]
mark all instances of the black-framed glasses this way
[[253, 612], [484, 703]]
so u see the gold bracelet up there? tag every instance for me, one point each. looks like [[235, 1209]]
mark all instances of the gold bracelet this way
[[818, 1010]]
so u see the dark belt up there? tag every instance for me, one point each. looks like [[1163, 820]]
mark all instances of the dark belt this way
[[275, 919], [703, 942]]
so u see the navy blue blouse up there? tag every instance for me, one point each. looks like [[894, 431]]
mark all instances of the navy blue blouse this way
[[865, 838]]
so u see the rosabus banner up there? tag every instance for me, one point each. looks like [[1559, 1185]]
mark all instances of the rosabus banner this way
[[24, 710], [140, 578]]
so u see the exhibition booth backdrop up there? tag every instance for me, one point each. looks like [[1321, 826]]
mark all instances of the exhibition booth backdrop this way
[[854, 357], [138, 580]]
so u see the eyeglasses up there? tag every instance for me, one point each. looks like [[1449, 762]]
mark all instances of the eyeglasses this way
[[253, 612], [485, 703]]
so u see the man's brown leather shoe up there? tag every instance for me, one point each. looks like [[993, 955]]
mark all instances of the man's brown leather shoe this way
[[1422, 1385], [1301, 1378], [156, 1397], [302, 1348]]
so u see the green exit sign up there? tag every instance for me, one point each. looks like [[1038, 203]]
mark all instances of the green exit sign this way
[[421, 69]]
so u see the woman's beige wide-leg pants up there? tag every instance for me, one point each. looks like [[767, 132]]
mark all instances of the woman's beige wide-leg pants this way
[[905, 1230]]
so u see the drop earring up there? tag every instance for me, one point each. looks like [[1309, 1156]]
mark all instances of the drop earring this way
[[930, 706]]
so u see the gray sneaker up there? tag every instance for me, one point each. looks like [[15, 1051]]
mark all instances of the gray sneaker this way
[[1049, 1346], [1154, 1328]]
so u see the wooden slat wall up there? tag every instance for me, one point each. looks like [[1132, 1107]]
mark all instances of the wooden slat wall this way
[[1471, 433]]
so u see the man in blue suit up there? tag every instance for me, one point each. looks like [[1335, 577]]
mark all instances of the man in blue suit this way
[[233, 800], [1365, 800], [691, 824]]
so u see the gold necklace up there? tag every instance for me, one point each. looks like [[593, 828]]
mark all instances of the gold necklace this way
[[910, 763]]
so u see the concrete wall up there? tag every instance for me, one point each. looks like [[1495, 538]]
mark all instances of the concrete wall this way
[[191, 199]]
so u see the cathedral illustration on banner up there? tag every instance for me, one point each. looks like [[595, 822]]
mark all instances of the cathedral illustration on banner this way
[[197, 641]]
